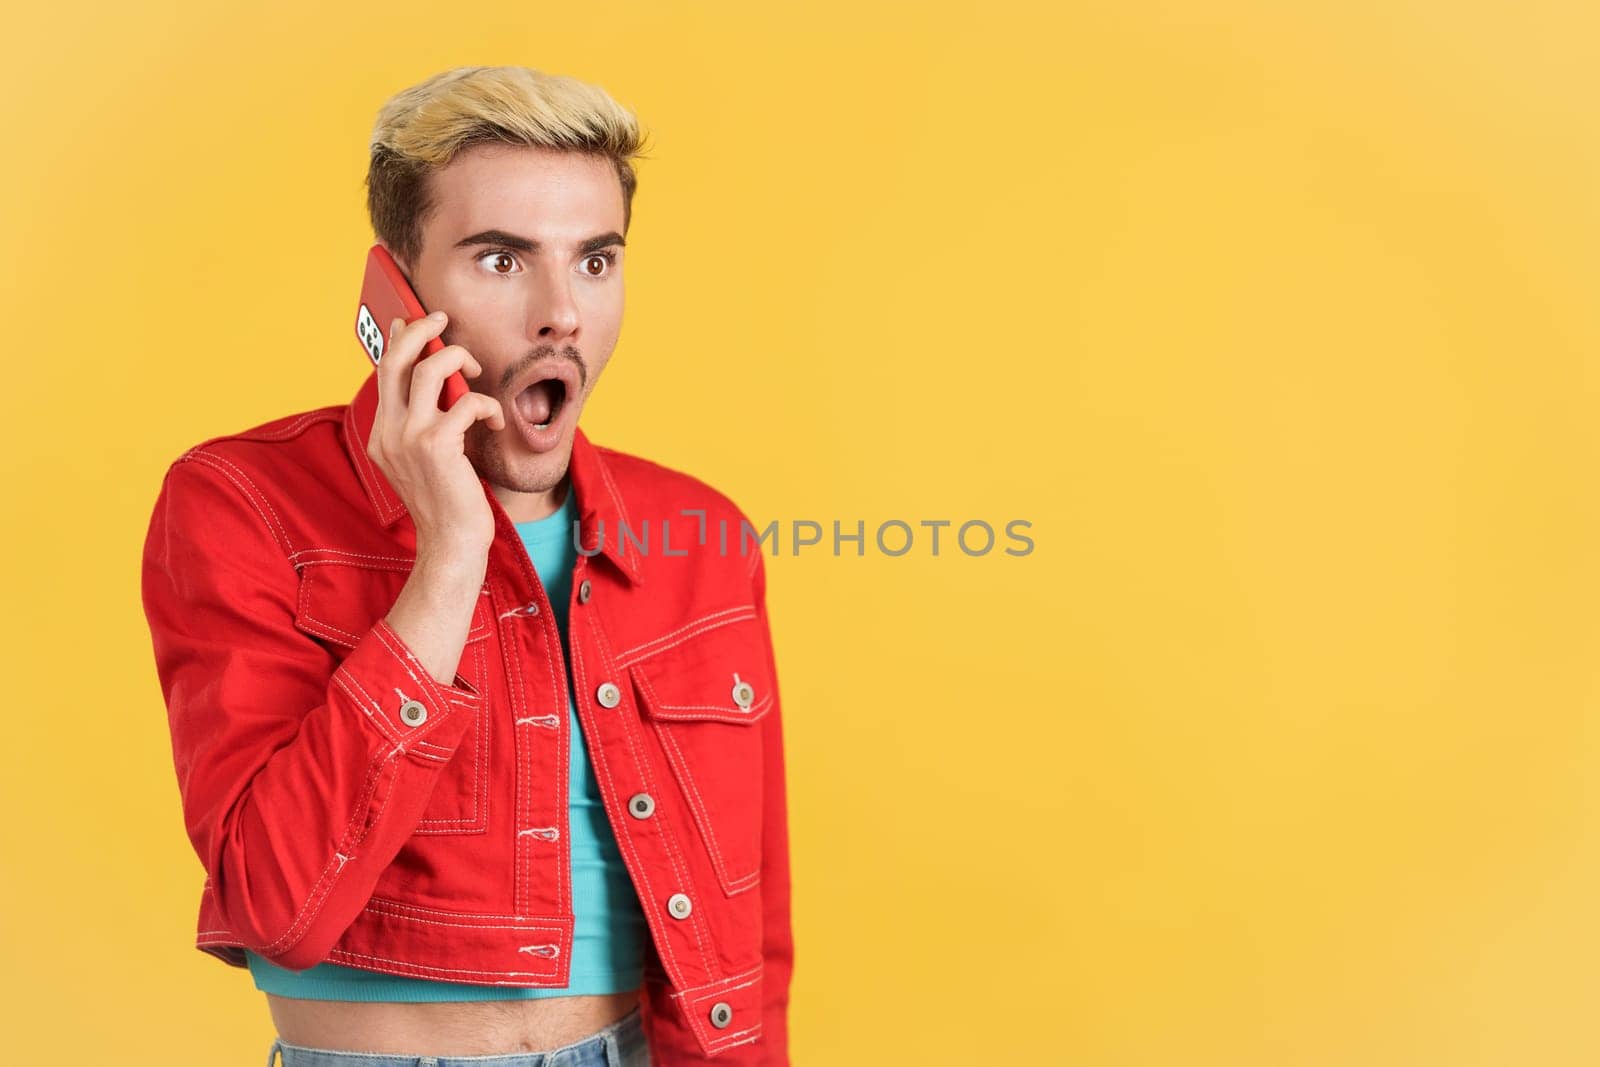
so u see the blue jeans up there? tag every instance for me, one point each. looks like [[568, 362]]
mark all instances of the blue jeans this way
[[621, 1044]]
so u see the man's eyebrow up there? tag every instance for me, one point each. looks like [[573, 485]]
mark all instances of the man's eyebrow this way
[[525, 244]]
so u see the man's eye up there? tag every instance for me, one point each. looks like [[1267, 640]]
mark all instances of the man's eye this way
[[607, 261], [496, 257]]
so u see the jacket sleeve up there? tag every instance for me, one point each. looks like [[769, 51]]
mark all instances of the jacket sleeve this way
[[777, 936], [298, 776]]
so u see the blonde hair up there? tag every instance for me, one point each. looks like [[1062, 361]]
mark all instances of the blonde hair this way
[[423, 128]]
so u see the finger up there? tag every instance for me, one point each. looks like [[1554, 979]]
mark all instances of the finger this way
[[405, 346], [427, 381], [388, 397], [468, 410]]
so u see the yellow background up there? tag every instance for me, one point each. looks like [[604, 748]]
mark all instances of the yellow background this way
[[1275, 321]]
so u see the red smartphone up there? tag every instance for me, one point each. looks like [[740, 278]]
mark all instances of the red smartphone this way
[[386, 296]]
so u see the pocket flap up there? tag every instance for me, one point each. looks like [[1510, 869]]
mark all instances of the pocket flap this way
[[717, 672], [340, 602]]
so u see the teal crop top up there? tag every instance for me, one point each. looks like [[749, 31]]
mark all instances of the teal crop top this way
[[609, 929]]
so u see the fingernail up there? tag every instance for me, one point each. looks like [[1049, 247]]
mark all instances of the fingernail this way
[[437, 316]]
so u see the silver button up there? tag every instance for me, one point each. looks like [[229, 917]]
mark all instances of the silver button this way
[[743, 694], [608, 695], [721, 1014], [413, 713], [641, 805], [678, 904], [583, 591]]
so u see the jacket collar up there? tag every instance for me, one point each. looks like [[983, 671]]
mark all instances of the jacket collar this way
[[600, 508]]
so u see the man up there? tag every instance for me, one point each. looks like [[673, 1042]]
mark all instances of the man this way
[[476, 722]]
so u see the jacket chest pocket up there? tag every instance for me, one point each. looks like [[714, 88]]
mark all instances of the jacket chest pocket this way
[[338, 603], [704, 697]]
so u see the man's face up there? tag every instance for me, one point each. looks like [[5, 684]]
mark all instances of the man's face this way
[[516, 253]]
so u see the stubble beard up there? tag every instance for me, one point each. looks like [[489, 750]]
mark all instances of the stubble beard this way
[[488, 454]]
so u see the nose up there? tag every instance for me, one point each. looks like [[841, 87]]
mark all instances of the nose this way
[[552, 311]]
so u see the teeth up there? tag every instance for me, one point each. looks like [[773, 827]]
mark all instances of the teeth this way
[[541, 426]]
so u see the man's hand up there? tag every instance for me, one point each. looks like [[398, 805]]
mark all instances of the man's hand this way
[[421, 450]]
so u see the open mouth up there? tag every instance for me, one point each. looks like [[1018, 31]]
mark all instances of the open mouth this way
[[540, 404]]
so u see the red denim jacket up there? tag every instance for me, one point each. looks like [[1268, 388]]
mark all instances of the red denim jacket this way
[[347, 806]]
